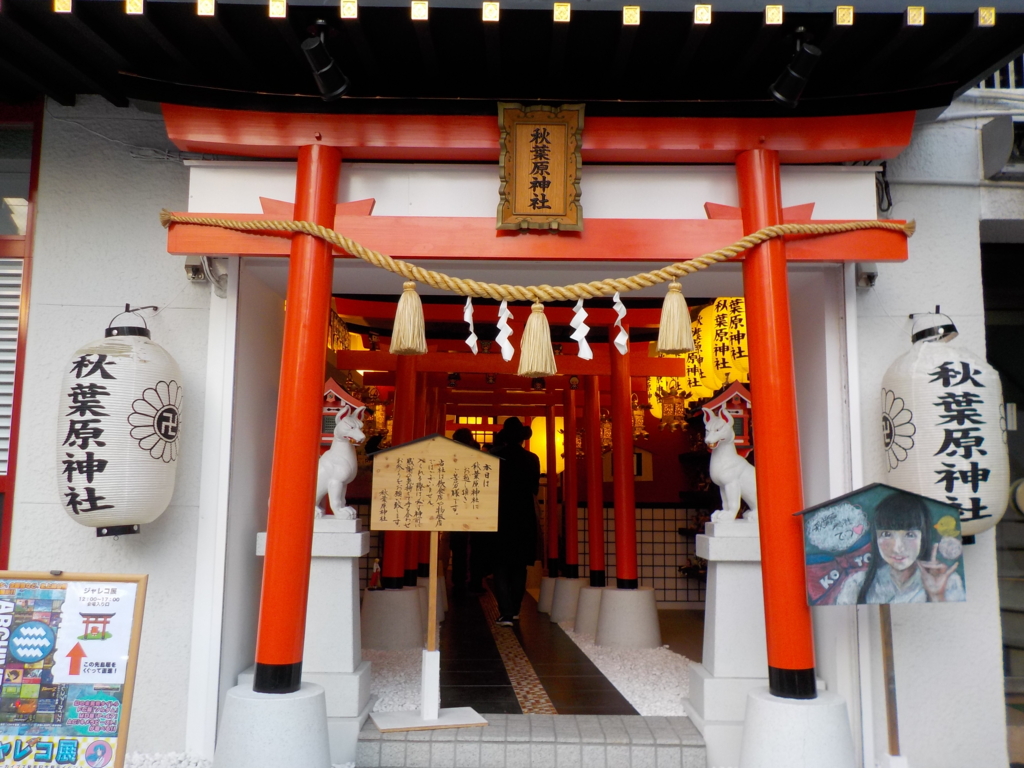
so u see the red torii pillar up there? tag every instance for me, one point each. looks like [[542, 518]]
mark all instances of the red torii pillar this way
[[282, 622], [551, 505], [403, 426], [570, 489], [594, 459], [623, 466], [787, 616]]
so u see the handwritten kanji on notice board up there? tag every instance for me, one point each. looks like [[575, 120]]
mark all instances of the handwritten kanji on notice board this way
[[434, 484]]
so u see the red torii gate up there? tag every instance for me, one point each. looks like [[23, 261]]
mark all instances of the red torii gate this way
[[757, 146]]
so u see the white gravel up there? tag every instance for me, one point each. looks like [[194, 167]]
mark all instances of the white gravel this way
[[395, 679], [654, 680], [178, 760], [164, 760]]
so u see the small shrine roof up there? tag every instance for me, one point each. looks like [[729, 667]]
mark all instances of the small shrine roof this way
[[736, 389]]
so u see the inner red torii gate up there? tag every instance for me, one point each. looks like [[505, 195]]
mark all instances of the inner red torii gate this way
[[757, 146]]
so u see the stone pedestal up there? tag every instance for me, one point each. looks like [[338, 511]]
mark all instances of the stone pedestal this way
[[274, 730], [735, 658], [588, 609], [442, 595], [628, 619], [796, 733], [547, 594], [565, 599], [394, 619], [332, 656]]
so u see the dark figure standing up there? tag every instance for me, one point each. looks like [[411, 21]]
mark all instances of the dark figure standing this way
[[459, 540], [516, 541]]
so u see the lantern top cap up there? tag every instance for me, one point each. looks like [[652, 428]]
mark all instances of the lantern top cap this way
[[932, 326], [127, 330]]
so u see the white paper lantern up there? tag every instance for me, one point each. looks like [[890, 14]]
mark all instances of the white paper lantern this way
[[118, 431], [942, 427]]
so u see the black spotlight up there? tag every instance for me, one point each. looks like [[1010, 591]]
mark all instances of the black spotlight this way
[[329, 78], [791, 83]]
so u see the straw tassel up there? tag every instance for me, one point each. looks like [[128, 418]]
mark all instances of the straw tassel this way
[[675, 335], [409, 336], [536, 358]]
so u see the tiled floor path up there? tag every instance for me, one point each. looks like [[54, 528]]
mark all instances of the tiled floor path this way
[[540, 741], [533, 668]]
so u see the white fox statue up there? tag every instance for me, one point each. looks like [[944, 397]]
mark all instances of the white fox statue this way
[[338, 466], [733, 474]]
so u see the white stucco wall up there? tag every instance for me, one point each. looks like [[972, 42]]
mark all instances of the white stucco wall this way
[[99, 244], [948, 658]]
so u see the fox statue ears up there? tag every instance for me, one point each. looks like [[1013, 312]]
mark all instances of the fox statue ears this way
[[722, 415], [346, 411]]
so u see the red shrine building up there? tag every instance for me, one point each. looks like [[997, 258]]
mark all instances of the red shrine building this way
[[527, 170]]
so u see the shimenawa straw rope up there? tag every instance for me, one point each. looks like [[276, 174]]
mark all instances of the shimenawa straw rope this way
[[536, 356], [535, 293]]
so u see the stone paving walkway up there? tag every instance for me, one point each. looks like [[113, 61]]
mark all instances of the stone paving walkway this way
[[540, 741]]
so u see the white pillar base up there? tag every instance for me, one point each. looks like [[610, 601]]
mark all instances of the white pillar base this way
[[565, 599], [796, 733], [273, 730], [588, 608], [628, 619], [547, 594], [391, 619]]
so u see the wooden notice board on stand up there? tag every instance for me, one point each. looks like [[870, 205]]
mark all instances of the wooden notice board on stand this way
[[431, 485], [69, 646], [434, 484]]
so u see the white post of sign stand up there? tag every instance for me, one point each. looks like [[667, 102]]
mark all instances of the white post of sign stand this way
[[430, 701], [429, 715]]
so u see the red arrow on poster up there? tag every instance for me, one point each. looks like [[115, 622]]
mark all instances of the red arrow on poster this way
[[76, 655]]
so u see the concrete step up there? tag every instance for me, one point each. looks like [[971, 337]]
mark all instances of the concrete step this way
[[540, 741]]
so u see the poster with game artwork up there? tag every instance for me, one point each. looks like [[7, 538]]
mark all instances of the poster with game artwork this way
[[68, 650], [882, 545]]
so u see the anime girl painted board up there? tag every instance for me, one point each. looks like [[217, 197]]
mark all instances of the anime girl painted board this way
[[883, 545]]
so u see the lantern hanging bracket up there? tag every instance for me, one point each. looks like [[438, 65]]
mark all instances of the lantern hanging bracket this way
[[932, 329], [129, 311], [129, 330]]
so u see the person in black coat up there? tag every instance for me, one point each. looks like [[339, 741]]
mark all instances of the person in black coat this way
[[460, 540], [516, 541]]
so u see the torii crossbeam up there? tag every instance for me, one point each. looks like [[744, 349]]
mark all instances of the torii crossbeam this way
[[756, 146]]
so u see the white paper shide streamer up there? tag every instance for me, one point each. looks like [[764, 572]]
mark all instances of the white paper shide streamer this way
[[119, 428], [467, 315], [580, 331], [504, 331], [621, 338]]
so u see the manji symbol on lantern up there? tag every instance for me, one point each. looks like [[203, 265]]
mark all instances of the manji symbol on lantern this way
[[118, 431], [941, 426]]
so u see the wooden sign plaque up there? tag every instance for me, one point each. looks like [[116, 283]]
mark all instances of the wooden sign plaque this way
[[540, 167], [434, 484]]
